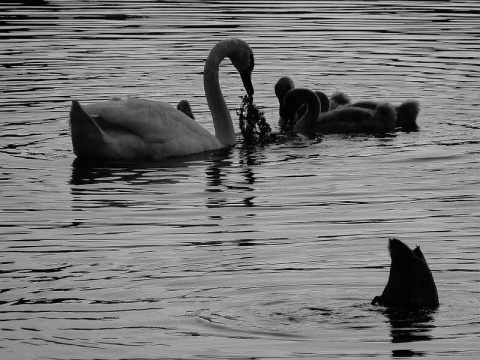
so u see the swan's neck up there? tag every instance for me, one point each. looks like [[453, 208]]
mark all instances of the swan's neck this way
[[307, 122], [222, 120]]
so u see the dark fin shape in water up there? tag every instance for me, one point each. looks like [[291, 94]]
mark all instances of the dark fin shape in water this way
[[410, 284]]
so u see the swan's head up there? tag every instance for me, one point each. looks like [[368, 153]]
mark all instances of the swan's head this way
[[294, 100], [242, 58]]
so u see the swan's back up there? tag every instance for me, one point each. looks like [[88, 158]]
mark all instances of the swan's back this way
[[135, 128]]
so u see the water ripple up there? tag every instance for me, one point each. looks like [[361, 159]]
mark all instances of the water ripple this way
[[271, 252]]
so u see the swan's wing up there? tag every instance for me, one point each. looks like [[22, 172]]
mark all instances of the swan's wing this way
[[153, 121]]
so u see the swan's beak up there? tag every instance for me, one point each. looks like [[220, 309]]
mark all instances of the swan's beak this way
[[247, 82]]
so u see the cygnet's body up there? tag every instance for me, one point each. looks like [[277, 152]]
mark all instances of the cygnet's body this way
[[407, 113], [343, 120]]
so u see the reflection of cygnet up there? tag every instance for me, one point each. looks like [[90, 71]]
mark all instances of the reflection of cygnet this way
[[410, 284]]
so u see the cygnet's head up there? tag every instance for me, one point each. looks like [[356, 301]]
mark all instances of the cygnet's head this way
[[282, 87], [407, 114], [184, 106], [338, 98]]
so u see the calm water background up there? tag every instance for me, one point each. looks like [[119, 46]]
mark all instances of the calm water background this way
[[265, 253]]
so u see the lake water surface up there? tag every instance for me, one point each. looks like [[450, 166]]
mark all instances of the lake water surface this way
[[272, 252]]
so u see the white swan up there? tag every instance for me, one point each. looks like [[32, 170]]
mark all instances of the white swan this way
[[145, 129], [343, 120]]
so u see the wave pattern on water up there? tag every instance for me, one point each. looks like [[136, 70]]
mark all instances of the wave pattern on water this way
[[271, 252]]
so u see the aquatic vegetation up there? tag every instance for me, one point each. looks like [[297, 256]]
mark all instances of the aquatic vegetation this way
[[252, 122]]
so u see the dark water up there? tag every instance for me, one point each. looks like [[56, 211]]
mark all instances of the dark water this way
[[266, 253]]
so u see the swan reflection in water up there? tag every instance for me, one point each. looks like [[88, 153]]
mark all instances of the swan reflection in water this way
[[409, 326], [222, 174], [86, 172], [218, 180]]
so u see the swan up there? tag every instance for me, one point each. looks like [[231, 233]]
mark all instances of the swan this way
[[410, 284], [184, 106], [145, 129], [346, 120]]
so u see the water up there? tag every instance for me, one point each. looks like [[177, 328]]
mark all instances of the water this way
[[266, 253]]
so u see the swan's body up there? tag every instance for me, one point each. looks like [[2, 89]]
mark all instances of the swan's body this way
[[410, 284], [145, 129], [346, 120]]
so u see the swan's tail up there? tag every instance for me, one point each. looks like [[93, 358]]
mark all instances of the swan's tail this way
[[84, 130], [407, 114], [387, 115]]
